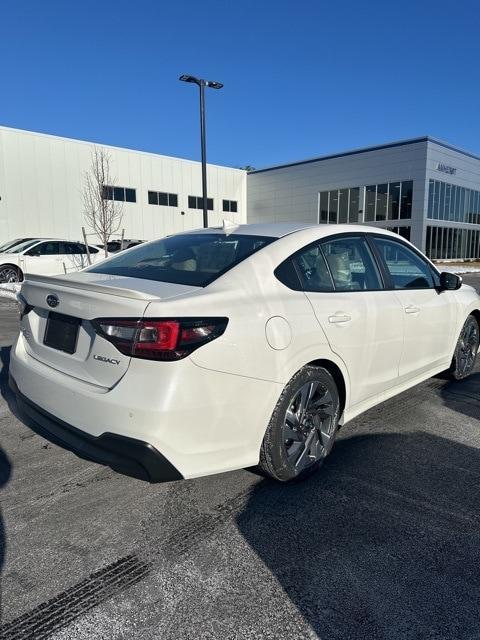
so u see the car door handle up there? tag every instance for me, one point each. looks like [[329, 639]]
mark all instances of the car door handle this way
[[339, 318], [412, 309]]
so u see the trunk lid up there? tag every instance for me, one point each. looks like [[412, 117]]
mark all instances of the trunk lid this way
[[86, 296]]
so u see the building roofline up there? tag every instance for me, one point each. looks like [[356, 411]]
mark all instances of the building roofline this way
[[352, 152], [110, 146]]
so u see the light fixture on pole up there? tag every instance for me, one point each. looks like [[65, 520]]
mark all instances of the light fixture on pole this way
[[201, 85]]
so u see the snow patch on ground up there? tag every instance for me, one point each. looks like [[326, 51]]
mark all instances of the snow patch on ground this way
[[457, 269], [9, 290]]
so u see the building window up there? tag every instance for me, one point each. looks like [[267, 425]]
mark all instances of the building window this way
[[393, 202], [162, 198], [343, 206], [387, 201], [447, 243], [229, 205], [196, 202], [119, 194], [404, 232], [339, 205], [453, 203], [333, 207], [354, 205], [382, 201], [406, 199], [370, 199]]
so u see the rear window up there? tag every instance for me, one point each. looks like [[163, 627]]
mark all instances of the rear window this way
[[191, 259]]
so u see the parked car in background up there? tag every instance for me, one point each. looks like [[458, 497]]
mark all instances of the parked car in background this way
[[114, 246], [45, 257], [13, 243], [216, 349]]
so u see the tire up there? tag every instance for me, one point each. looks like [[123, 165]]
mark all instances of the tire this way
[[466, 350], [10, 273], [302, 429]]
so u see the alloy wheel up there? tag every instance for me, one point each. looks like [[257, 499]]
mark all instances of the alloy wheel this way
[[468, 347], [309, 425], [8, 274]]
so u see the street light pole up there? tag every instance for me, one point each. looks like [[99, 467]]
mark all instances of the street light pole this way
[[204, 153], [201, 85]]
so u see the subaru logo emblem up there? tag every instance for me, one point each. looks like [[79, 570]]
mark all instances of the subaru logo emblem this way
[[52, 300]]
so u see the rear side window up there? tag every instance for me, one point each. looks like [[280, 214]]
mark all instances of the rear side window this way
[[351, 264], [312, 269], [77, 248], [407, 270], [191, 259]]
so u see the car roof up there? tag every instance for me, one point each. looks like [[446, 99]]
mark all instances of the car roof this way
[[282, 229]]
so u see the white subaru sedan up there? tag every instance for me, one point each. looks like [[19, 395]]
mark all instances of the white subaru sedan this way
[[226, 348]]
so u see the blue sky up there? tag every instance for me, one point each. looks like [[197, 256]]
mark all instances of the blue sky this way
[[302, 78]]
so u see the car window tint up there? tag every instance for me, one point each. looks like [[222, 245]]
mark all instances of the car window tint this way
[[407, 269], [192, 259], [312, 269], [351, 264], [287, 273], [47, 249]]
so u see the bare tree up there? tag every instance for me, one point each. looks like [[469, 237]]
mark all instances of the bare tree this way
[[102, 213]]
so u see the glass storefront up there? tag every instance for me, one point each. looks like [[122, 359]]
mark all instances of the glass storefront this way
[[387, 201], [450, 202], [339, 206], [446, 243]]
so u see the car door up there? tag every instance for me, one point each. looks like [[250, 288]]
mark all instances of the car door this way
[[43, 259], [362, 320], [429, 314]]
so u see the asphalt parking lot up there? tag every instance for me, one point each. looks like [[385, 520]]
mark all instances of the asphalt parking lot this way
[[384, 543]]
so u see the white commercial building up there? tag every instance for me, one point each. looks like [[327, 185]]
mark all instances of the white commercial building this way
[[424, 189], [42, 180]]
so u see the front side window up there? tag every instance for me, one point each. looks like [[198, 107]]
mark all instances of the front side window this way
[[194, 259], [407, 269], [351, 264], [45, 249]]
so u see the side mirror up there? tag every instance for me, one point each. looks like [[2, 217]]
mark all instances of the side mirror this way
[[34, 253], [450, 281]]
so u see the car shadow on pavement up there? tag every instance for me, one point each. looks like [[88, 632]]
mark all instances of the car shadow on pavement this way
[[463, 396], [8, 394], [5, 473], [383, 542]]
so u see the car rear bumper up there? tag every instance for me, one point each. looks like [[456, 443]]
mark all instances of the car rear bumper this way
[[133, 457], [197, 419]]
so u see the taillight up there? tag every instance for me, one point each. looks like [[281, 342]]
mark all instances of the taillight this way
[[158, 339]]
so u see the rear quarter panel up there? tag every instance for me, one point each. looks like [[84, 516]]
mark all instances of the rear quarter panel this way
[[249, 295]]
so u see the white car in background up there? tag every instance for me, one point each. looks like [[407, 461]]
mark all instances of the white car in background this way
[[46, 257], [220, 349]]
